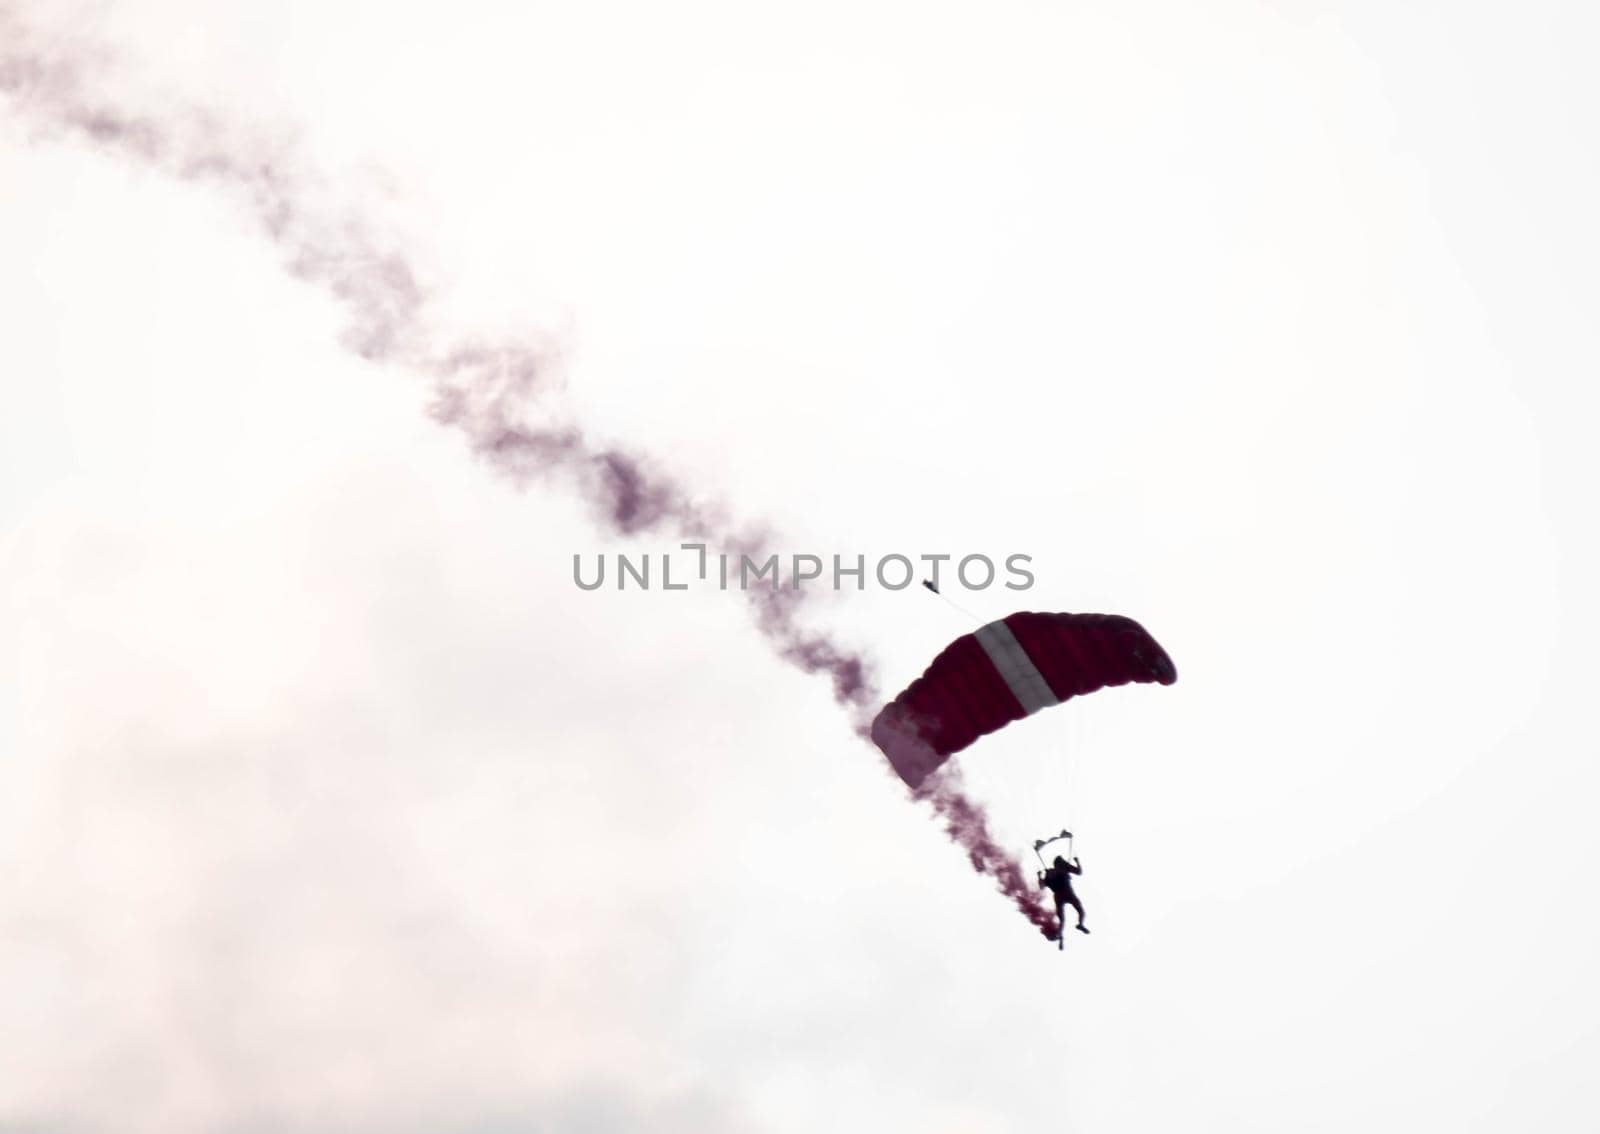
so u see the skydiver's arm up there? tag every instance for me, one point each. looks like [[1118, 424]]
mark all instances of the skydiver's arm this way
[[1073, 867]]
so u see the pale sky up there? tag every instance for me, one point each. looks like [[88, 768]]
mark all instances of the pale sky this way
[[328, 803]]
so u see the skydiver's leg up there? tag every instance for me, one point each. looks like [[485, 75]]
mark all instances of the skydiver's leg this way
[[1077, 905], [1061, 919]]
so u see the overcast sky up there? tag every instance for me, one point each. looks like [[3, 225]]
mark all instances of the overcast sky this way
[[328, 803]]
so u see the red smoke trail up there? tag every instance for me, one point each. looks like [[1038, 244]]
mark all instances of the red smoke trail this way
[[484, 388], [968, 827]]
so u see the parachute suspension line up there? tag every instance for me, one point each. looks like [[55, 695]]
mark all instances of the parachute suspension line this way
[[1069, 778], [1083, 734], [1069, 736], [1074, 726]]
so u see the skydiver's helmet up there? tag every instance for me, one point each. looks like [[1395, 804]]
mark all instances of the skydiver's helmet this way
[[1060, 862]]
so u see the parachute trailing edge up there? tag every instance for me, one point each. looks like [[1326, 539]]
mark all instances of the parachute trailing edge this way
[[1007, 670]]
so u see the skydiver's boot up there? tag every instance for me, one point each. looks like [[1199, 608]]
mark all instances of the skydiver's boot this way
[[1082, 928]]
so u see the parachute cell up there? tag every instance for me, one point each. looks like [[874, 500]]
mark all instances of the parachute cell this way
[[1008, 670]]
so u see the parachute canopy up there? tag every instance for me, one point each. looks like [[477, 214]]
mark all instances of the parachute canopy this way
[[1008, 670]]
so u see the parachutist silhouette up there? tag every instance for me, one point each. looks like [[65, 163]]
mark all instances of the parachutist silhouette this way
[[1058, 880], [982, 682]]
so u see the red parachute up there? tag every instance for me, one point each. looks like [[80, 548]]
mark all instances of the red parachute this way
[[1008, 670]]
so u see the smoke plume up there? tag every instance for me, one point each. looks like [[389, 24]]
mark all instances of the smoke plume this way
[[967, 824], [487, 389]]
